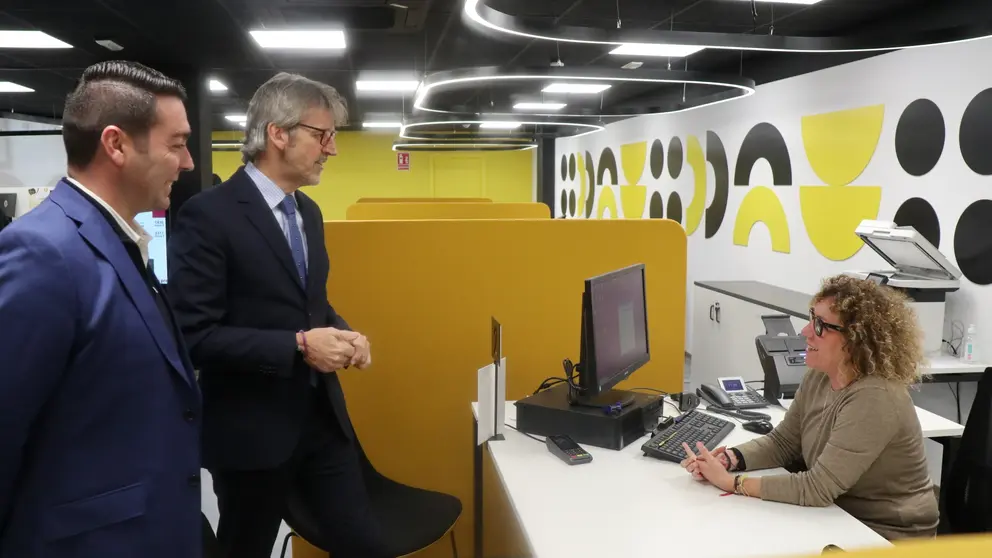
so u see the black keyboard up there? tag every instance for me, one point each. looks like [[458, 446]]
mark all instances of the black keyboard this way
[[690, 428]]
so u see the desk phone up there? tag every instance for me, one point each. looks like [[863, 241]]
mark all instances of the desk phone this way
[[565, 448], [732, 393]]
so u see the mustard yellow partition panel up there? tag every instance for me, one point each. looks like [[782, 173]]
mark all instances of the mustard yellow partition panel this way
[[424, 292], [969, 546], [447, 210], [411, 200]]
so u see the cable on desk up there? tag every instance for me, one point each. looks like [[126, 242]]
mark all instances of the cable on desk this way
[[957, 398], [749, 382], [508, 425]]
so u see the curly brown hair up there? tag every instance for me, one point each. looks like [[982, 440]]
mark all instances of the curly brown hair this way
[[882, 335]]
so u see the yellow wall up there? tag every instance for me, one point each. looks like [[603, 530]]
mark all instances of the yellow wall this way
[[366, 167]]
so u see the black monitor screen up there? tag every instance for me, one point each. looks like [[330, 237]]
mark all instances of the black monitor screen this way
[[619, 323]]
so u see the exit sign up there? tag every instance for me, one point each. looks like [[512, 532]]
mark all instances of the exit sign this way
[[402, 161]]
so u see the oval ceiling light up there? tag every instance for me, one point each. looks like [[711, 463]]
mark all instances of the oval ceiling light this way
[[585, 80], [461, 125], [432, 145], [479, 13]]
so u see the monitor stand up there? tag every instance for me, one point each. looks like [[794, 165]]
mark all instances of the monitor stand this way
[[606, 399]]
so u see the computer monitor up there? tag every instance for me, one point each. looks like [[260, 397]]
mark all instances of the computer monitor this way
[[614, 341], [155, 225]]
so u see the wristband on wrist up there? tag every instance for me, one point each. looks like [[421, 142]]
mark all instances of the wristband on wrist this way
[[739, 485]]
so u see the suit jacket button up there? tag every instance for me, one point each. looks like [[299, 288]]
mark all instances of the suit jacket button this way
[[189, 415], [194, 481]]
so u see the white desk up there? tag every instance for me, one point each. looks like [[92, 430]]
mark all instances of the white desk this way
[[626, 504], [943, 367]]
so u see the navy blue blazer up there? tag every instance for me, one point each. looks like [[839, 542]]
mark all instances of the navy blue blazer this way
[[99, 404]]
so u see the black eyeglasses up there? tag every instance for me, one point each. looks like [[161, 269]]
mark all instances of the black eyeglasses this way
[[326, 135], [819, 324]]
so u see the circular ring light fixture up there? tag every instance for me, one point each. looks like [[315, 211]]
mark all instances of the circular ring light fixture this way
[[483, 133], [495, 20], [736, 87], [475, 145]]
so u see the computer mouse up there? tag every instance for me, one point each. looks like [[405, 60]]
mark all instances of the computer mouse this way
[[758, 426]]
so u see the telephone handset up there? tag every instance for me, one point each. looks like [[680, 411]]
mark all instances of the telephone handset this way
[[732, 393]]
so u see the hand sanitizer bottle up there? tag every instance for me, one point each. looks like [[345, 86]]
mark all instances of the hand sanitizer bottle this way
[[968, 352]]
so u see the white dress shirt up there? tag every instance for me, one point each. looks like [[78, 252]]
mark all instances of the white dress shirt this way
[[133, 230], [274, 195]]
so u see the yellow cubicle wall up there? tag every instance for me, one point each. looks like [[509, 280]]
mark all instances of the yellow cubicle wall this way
[[969, 546], [446, 210], [424, 293], [414, 200]]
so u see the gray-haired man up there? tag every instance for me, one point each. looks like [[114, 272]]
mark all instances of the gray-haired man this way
[[248, 276]]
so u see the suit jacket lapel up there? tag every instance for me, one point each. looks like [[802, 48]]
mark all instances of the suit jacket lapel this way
[[95, 229]]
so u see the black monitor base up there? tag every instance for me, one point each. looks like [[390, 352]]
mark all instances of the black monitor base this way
[[604, 400]]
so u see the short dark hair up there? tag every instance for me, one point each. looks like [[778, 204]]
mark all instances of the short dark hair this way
[[115, 93]]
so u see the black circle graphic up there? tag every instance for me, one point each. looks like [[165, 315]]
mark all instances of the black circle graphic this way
[[564, 203], [564, 167], [675, 158], [973, 242], [571, 166], [976, 133], [920, 137], [675, 207], [656, 209], [571, 203], [657, 158], [919, 214]]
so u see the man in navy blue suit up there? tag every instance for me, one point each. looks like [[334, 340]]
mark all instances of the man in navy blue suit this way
[[248, 279], [99, 404]]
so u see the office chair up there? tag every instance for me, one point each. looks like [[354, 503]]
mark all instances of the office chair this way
[[968, 503], [411, 518]]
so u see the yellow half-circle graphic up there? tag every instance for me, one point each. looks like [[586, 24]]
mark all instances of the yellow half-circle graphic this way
[[583, 186], [839, 145], [761, 205], [607, 200], [697, 160], [632, 159], [633, 199], [831, 215]]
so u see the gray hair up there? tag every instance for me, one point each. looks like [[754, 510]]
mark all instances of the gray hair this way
[[282, 101]]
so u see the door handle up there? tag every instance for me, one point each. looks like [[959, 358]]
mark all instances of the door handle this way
[[717, 308], [711, 312]]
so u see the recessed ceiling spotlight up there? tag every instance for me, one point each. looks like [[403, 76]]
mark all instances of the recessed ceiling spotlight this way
[[632, 65], [300, 39], [11, 87], [396, 86], [577, 88], [217, 85], [30, 39], [500, 125], [652, 49], [539, 106]]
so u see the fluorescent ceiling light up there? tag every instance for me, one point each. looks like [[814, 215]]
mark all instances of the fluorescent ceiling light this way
[[632, 65], [402, 86], [804, 2], [577, 88], [238, 118], [300, 39], [382, 124], [11, 87], [217, 85], [539, 106], [655, 49], [30, 39], [496, 125]]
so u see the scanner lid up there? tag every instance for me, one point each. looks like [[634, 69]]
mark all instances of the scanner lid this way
[[907, 250]]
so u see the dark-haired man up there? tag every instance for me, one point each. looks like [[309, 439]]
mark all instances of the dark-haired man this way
[[99, 405]]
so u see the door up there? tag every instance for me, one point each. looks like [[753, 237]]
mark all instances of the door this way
[[458, 176]]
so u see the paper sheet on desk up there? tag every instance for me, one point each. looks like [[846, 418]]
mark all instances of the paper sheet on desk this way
[[492, 400]]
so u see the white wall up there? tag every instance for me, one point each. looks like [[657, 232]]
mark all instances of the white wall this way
[[29, 162], [951, 76]]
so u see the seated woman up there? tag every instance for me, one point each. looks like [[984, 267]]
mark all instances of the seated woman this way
[[852, 426]]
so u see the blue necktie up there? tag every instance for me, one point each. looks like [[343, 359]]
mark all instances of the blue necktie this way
[[288, 206]]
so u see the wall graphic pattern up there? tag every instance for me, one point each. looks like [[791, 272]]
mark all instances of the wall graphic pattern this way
[[837, 145]]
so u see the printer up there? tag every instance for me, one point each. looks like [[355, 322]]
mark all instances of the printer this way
[[782, 354], [918, 269]]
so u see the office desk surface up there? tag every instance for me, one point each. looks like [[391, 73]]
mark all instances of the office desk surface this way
[[933, 425], [947, 364], [626, 504]]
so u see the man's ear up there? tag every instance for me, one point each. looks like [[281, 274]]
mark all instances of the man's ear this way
[[278, 137], [112, 141]]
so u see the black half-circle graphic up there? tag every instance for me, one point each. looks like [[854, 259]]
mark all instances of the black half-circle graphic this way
[[919, 214], [591, 177], [973, 242], [920, 137], [656, 209], [571, 203], [976, 133], [564, 167], [564, 203], [716, 155], [571, 166], [676, 156], [764, 141], [657, 158], [607, 163], [675, 207]]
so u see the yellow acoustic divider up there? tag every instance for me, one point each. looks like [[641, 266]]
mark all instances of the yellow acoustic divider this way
[[424, 293], [959, 546], [411, 200], [446, 210]]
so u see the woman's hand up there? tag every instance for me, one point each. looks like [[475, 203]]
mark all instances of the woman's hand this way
[[720, 453], [709, 466]]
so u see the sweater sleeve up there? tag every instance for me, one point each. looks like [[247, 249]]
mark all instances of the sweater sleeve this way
[[863, 427], [781, 446]]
